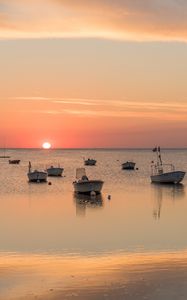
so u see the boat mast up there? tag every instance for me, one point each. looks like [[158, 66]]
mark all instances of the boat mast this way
[[30, 166], [159, 155]]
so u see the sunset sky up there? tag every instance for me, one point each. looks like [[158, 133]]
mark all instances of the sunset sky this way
[[93, 73]]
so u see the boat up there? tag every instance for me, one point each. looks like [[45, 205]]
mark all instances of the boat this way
[[14, 161], [55, 171], [36, 176], [128, 165], [164, 173], [84, 185], [90, 162]]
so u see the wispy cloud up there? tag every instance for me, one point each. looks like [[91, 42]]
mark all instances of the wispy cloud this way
[[150, 105], [119, 19], [106, 108]]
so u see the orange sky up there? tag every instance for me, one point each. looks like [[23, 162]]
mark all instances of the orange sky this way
[[93, 73]]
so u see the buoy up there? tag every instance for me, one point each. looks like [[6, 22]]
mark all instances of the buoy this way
[[137, 168], [109, 197], [93, 194], [49, 183]]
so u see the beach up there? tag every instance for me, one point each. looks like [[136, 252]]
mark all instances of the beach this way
[[151, 276]]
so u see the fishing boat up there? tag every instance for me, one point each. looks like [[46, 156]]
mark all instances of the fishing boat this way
[[55, 171], [86, 186], [128, 165], [14, 161], [164, 173], [90, 162], [36, 176]]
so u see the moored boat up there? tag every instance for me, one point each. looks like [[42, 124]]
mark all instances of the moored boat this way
[[36, 176], [84, 185], [90, 162], [128, 165], [55, 171], [14, 161], [159, 174]]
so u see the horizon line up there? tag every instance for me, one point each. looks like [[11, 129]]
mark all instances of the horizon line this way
[[92, 148]]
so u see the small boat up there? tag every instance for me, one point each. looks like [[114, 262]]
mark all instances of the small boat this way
[[128, 165], [161, 175], [36, 176], [84, 185], [14, 161], [55, 171], [90, 162]]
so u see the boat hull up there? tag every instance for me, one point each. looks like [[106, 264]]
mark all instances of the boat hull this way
[[90, 162], [37, 176], [56, 172], [86, 187], [128, 166], [14, 162], [170, 177]]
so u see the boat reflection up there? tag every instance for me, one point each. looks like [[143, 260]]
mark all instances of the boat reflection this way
[[166, 192], [83, 202]]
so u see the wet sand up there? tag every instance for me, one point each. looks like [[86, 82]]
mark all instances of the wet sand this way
[[119, 276]]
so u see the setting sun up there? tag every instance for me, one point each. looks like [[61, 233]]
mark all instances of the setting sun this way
[[46, 145]]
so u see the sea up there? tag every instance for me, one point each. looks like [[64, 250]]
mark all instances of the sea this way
[[55, 244]]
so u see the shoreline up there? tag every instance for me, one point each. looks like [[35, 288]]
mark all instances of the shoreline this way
[[137, 276]]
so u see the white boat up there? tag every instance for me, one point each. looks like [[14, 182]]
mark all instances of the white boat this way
[[128, 165], [36, 176], [55, 171], [86, 186], [164, 173], [90, 162]]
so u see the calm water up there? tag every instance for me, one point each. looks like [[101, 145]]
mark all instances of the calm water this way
[[44, 224]]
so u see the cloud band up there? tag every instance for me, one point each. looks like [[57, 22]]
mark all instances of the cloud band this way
[[120, 19]]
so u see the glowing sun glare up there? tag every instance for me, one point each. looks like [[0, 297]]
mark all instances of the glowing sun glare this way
[[46, 145]]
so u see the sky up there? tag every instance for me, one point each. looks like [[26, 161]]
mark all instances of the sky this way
[[84, 73]]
